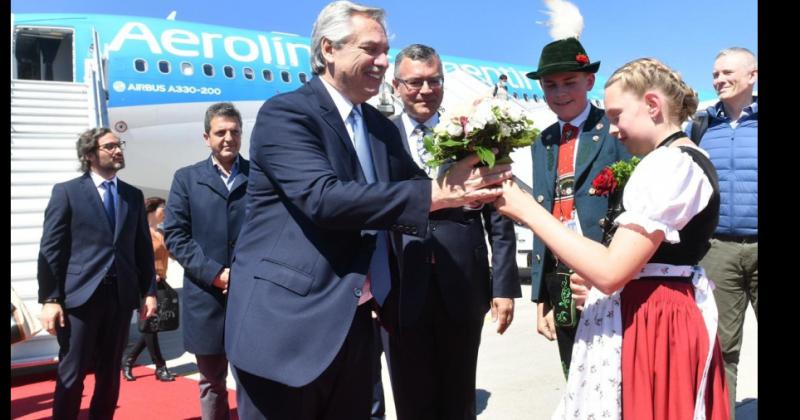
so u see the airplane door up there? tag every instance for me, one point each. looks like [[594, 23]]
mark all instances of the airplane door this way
[[42, 53]]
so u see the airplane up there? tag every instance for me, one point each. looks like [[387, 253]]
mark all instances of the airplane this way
[[150, 81]]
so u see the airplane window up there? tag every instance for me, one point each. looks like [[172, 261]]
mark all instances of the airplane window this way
[[163, 66], [535, 97], [187, 69], [208, 70], [302, 76], [285, 76], [525, 95], [267, 74], [248, 73], [140, 65], [516, 96], [228, 70]]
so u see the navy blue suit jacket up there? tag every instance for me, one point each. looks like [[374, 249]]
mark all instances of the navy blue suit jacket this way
[[461, 262], [301, 258], [78, 247], [202, 223], [596, 150]]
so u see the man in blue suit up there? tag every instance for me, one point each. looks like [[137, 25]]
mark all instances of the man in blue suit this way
[[95, 268], [566, 158], [329, 181], [205, 211], [447, 286]]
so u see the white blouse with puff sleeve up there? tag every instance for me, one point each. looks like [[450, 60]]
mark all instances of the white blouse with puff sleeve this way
[[665, 191]]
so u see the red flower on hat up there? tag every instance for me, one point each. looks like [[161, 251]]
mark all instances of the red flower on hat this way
[[582, 58]]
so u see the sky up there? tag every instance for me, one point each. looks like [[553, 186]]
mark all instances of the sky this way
[[685, 34]]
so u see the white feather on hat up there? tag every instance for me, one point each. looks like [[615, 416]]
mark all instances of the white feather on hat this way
[[565, 19]]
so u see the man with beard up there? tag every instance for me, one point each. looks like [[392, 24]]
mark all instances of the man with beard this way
[[95, 268]]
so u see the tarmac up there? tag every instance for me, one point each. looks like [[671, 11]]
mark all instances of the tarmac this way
[[519, 373]]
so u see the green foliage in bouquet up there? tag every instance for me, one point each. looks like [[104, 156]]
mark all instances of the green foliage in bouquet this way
[[494, 123]]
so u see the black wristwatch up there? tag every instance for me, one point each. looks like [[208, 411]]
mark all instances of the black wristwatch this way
[[52, 300]]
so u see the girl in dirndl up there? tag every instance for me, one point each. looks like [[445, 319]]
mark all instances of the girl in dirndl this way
[[646, 347]]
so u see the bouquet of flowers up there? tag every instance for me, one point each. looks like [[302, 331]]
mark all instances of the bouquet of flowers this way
[[492, 123], [610, 182]]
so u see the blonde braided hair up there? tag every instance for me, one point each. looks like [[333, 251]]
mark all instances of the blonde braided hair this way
[[639, 75]]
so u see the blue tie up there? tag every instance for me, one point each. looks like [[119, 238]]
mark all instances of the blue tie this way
[[380, 277], [108, 203]]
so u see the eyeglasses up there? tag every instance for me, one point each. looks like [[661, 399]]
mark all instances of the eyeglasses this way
[[109, 147], [416, 84]]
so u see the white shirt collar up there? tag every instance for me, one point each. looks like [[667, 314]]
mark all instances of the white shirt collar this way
[[409, 124], [343, 105], [99, 180], [579, 120]]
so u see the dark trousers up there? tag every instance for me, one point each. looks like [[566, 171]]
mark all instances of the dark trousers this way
[[433, 364], [94, 336], [149, 340], [733, 267], [213, 370], [342, 391], [380, 341], [565, 336]]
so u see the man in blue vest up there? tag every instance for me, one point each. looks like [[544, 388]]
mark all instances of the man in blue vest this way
[[731, 141]]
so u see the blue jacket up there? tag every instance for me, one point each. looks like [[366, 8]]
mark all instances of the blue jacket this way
[[78, 247], [734, 153], [596, 150], [202, 223], [301, 259]]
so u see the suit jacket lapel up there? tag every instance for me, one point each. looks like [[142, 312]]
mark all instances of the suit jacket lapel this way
[[93, 198], [241, 177], [398, 122], [550, 140], [211, 179], [380, 156], [330, 114], [591, 142]]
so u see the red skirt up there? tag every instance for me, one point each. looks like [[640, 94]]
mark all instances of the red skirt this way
[[664, 350]]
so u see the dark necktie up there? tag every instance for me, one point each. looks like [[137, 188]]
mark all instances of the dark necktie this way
[[378, 279], [110, 205]]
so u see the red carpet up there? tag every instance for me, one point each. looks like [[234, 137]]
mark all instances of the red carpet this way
[[144, 398]]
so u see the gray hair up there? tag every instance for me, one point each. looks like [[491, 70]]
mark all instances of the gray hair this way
[[416, 52], [333, 23], [221, 109], [751, 58], [87, 145]]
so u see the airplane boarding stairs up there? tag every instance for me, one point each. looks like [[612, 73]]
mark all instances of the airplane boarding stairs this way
[[46, 119]]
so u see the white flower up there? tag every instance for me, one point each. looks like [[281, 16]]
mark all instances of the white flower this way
[[515, 114], [452, 129]]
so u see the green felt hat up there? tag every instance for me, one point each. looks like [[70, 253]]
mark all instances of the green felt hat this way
[[562, 56]]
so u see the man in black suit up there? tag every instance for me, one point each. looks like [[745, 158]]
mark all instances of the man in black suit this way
[[95, 267], [205, 212], [447, 286], [330, 183]]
